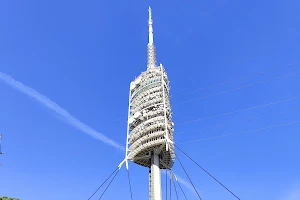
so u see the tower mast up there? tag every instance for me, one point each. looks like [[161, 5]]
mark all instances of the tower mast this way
[[150, 130], [154, 174]]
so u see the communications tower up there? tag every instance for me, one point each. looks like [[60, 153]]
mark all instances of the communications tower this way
[[150, 130]]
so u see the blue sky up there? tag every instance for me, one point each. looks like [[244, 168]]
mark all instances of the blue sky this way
[[83, 55]]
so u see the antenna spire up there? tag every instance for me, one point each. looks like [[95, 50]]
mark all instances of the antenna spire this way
[[151, 47], [150, 22]]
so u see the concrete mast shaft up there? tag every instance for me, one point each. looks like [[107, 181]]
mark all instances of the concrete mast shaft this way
[[155, 178]]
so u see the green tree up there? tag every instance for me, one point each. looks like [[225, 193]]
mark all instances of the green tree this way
[[7, 198]]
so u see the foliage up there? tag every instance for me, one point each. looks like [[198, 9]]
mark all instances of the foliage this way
[[6, 198]]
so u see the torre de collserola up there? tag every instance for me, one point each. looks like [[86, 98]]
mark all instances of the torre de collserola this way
[[150, 141]]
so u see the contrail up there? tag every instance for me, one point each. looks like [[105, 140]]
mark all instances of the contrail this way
[[182, 181], [45, 101]]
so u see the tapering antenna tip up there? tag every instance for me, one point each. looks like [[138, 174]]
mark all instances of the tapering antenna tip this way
[[150, 13]]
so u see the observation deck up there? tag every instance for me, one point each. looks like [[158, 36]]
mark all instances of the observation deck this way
[[150, 123]]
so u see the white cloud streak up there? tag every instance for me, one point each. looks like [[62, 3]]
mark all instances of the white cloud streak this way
[[183, 182], [45, 101], [186, 184], [292, 194]]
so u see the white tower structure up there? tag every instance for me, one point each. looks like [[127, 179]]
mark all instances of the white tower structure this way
[[150, 128]]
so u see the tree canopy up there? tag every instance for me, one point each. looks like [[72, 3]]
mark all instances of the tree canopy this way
[[7, 198]]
